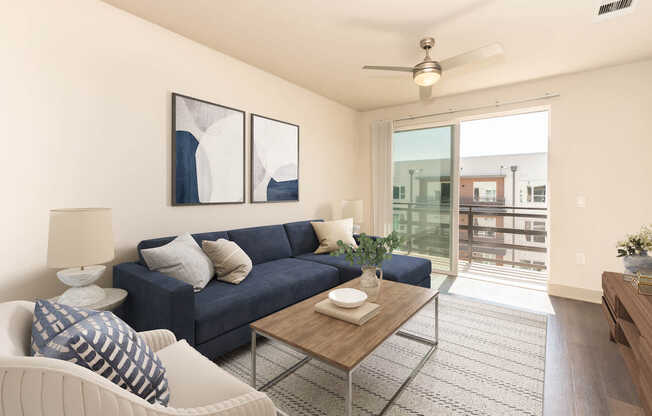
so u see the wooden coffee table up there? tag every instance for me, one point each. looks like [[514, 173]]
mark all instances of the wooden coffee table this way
[[341, 344]]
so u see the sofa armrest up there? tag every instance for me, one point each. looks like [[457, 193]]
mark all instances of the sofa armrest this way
[[255, 403], [158, 339], [156, 301], [356, 237], [31, 384]]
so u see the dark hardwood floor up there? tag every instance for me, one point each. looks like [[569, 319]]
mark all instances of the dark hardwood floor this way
[[585, 373]]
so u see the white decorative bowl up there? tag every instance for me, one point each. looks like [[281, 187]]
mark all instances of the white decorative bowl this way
[[347, 297]]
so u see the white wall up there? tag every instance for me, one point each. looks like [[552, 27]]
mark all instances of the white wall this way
[[600, 148], [85, 115]]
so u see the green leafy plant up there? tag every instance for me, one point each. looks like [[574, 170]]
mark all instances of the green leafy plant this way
[[371, 252], [636, 244]]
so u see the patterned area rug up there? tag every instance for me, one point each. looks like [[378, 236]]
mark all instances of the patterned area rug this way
[[490, 361]]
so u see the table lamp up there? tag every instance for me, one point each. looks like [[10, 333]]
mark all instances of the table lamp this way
[[353, 209], [79, 239]]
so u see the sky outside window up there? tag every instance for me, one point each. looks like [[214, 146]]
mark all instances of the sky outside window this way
[[422, 144], [506, 135]]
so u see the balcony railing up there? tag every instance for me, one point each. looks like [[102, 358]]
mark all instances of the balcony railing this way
[[482, 201], [426, 228]]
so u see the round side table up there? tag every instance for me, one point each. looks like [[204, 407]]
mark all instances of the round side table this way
[[112, 299]]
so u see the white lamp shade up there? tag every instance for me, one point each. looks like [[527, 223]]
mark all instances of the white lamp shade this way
[[80, 237], [353, 209]]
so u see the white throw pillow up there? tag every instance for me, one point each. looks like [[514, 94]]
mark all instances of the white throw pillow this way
[[183, 259], [231, 263], [330, 232]]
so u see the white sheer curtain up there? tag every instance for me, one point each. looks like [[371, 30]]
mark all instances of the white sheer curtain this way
[[381, 177]]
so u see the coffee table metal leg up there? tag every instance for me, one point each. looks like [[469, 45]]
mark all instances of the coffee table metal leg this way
[[413, 374], [437, 318], [253, 358], [348, 395], [430, 343], [284, 374]]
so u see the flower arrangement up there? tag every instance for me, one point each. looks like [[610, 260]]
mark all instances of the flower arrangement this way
[[636, 244], [371, 252]]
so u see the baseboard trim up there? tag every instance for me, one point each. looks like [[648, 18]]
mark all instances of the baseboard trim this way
[[577, 293]]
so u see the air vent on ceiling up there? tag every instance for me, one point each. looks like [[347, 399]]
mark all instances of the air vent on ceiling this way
[[606, 9]]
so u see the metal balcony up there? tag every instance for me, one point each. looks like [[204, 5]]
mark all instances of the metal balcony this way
[[425, 227]]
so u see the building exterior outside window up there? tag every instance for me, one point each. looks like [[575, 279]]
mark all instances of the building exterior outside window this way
[[535, 226], [484, 191], [532, 193], [485, 181], [484, 222], [399, 192], [539, 194]]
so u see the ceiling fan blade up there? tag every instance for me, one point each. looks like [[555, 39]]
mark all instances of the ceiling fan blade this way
[[425, 93], [389, 68], [476, 55]]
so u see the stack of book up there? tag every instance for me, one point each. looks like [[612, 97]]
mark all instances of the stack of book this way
[[357, 316], [644, 284]]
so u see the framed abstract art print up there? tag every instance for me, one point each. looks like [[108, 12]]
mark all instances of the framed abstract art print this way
[[208, 152], [274, 160]]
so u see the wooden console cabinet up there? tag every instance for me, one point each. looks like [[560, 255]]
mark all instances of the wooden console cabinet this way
[[630, 323]]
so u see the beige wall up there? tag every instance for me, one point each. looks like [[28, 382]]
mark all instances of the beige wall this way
[[85, 115], [600, 147]]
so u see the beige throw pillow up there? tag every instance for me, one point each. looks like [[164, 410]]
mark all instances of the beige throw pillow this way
[[231, 263], [330, 232]]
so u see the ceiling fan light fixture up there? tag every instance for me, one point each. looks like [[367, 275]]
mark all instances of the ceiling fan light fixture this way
[[427, 72], [426, 77]]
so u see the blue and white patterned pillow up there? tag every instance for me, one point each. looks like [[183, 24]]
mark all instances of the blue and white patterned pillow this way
[[101, 342]]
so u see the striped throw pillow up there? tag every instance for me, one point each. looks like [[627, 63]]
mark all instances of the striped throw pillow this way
[[100, 342]]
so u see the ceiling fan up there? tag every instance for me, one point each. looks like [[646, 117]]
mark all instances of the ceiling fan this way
[[428, 71]]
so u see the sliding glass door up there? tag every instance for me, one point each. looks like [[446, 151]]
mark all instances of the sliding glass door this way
[[425, 194]]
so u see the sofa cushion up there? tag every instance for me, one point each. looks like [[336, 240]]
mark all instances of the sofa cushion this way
[[346, 270], [183, 259], [263, 244], [100, 342], [195, 380], [407, 269], [302, 237], [158, 242], [16, 327], [331, 232], [230, 261], [404, 269], [270, 286]]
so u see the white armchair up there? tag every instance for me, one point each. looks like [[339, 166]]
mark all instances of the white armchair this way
[[45, 386]]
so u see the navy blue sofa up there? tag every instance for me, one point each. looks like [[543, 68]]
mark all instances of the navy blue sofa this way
[[285, 271]]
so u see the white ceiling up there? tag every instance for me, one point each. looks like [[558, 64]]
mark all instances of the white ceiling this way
[[321, 45]]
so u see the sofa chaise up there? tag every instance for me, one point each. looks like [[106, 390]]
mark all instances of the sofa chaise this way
[[285, 271]]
